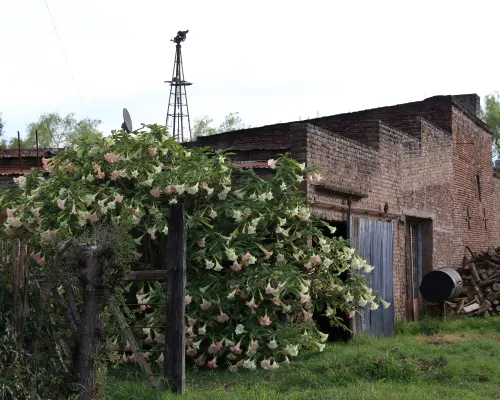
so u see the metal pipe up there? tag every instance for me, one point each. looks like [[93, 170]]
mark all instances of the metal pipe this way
[[37, 153], [19, 146]]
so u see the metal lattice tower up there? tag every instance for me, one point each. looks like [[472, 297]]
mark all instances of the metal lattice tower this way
[[178, 121]]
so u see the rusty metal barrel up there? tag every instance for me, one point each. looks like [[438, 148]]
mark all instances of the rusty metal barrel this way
[[441, 285]]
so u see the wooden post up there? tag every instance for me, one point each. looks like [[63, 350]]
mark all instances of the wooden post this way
[[174, 356]]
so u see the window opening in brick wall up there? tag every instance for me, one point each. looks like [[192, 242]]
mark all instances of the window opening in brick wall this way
[[468, 218], [485, 220], [478, 184]]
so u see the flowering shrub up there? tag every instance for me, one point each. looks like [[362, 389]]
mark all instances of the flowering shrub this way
[[258, 262]]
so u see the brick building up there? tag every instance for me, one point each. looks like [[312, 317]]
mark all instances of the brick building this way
[[412, 185]]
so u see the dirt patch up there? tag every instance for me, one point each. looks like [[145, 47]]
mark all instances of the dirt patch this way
[[450, 338]]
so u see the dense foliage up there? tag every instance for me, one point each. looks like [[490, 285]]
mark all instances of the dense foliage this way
[[258, 261]]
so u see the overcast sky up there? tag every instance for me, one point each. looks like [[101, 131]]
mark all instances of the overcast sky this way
[[270, 60]]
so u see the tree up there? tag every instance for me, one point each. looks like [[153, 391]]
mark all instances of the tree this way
[[3, 142], [232, 122], [258, 263], [491, 115], [57, 131]]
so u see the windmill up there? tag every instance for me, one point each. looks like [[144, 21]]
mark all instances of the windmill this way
[[178, 121]]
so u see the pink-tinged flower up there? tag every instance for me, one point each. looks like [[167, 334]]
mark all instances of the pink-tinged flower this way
[[253, 346], [307, 315], [127, 347], [276, 301], [112, 158], [192, 321], [35, 212], [114, 175], [236, 267], [268, 365], [47, 235], [304, 298], [73, 210], [93, 217], [169, 189], [212, 364], [70, 168], [265, 321], [100, 175], [268, 254], [96, 167], [147, 356], [188, 299], [236, 348], [271, 163], [11, 213], [222, 318], [251, 303], [39, 259], [61, 204], [138, 256], [118, 198], [155, 192], [201, 243], [45, 163], [245, 258], [149, 339], [124, 359], [152, 151], [310, 241], [131, 359], [205, 305], [200, 361], [352, 314], [191, 352], [316, 260], [160, 359], [214, 347]]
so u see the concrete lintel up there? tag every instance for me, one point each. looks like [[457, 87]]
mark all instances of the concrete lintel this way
[[412, 212]]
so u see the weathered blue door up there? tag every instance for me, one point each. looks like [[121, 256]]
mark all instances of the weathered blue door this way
[[374, 241]]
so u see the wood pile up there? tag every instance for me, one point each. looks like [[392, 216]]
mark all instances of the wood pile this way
[[480, 295]]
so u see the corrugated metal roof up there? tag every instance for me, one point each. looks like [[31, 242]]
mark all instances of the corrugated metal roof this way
[[11, 170], [14, 153]]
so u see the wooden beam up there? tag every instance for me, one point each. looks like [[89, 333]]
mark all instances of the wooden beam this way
[[175, 336], [334, 189], [361, 211]]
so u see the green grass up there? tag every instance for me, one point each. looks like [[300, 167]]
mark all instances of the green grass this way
[[432, 359]]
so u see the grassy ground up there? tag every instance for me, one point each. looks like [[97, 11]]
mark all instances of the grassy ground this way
[[458, 359]]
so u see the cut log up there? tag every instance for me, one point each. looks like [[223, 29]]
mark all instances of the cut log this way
[[474, 273], [497, 308], [496, 302], [496, 287], [470, 308], [484, 276]]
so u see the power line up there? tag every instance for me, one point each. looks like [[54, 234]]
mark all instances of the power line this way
[[66, 57]]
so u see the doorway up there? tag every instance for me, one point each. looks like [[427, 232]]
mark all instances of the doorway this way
[[418, 262]]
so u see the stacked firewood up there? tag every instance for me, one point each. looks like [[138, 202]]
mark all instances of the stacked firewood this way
[[480, 293]]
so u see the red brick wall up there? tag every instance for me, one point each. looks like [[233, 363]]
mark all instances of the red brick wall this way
[[472, 155]]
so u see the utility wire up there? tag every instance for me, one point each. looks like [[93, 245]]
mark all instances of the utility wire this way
[[66, 57]]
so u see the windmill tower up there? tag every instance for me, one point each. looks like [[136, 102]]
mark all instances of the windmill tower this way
[[178, 122]]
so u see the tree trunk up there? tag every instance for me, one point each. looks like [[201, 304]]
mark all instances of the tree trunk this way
[[91, 341]]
